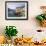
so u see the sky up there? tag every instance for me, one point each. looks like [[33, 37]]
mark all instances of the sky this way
[[14, 5]]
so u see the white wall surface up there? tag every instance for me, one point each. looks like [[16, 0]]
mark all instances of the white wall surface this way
[[25, 27]]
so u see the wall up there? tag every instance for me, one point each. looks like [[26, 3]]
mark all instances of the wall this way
[[25, 27]]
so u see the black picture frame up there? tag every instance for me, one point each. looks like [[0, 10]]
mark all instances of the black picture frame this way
[[6, 11]]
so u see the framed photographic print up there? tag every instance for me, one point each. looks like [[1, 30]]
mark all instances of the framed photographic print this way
[[16, 10]]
